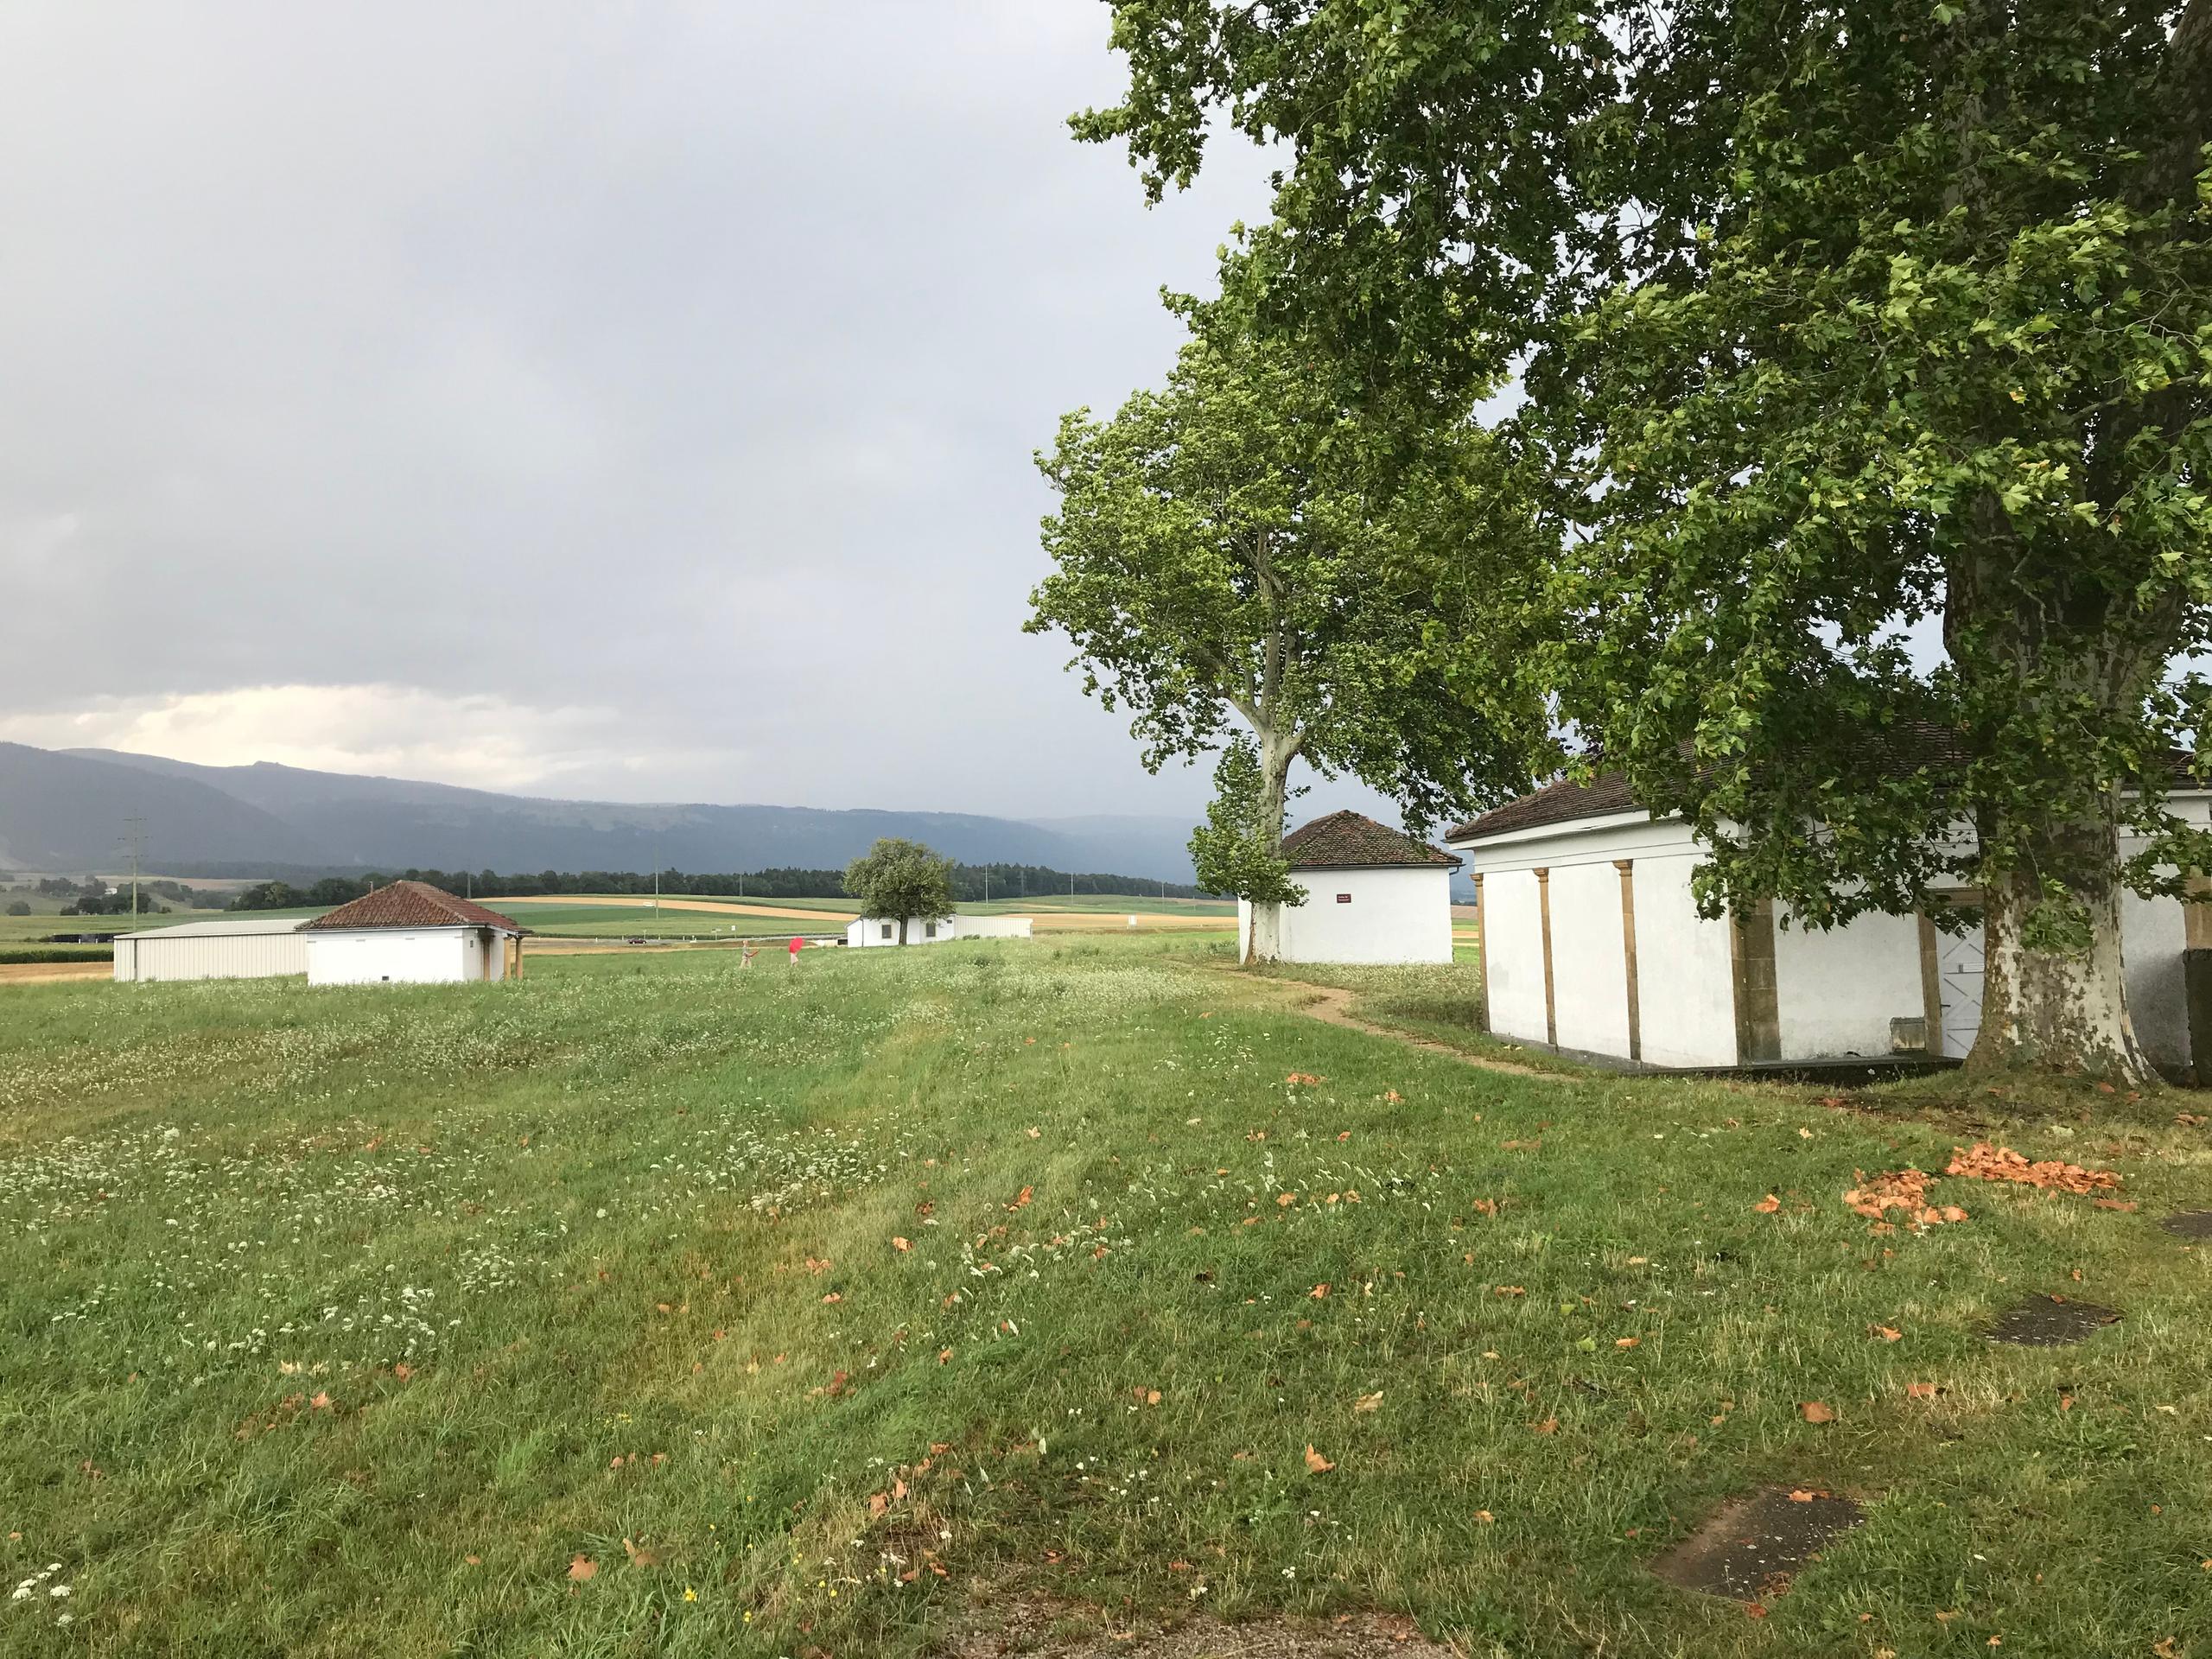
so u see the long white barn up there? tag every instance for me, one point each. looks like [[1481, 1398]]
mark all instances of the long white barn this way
[[939, 930], [1592, 944], [241, 947]]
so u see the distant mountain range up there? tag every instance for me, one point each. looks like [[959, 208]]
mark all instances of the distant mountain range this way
[[64, 811]]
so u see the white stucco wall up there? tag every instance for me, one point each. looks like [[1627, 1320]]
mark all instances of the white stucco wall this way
[[1589, 959], [403, 956], [1838, 991], [1686, 988], [2152, 935], [1364, 915], [1513, 947]]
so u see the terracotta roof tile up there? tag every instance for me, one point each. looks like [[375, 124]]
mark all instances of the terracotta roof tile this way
[[1351, 840], [1566, 801], [1560, 803], [409, 904]]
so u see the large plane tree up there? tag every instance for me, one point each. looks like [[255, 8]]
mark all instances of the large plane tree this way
[[1871, 339], [1247, 564]]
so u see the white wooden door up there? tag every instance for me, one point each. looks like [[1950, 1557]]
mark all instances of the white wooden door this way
[[1957, 966]]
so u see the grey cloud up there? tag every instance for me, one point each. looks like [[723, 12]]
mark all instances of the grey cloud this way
[[682, 361]]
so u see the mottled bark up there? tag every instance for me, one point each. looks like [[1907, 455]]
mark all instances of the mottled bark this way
[[1277, 750], [2058, 1005]]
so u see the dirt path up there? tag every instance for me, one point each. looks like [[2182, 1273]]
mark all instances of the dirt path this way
[[1333, 1005], [46, 973]]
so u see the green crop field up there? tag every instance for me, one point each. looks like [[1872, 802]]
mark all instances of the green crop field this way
[[653, 1305], [21, 929]]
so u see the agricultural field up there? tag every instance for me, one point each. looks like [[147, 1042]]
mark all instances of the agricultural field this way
[[1069, 1288], [17, 930], [625, 915]]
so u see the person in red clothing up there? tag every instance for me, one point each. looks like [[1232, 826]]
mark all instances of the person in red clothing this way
[[794, 950]]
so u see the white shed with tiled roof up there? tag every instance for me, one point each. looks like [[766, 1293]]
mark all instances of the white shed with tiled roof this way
[[1373, 894], [1591, 944], [412, 933]]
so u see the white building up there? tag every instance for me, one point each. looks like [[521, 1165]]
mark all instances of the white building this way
[[247, 947], [1591, 944], [412, 933], [884, 930], [1372, 894]]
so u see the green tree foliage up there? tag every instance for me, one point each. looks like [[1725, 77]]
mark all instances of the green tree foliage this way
[[1239, 848], [1247, 545], [902, 879], [1840, 322]]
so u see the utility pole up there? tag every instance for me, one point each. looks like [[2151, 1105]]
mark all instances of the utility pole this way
[[655, 884], [987, 884], [134, 841]]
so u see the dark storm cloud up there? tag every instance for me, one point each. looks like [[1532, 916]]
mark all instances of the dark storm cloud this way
[[633, 400]]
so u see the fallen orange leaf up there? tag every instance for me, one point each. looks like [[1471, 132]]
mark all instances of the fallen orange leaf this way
[[583, 1568], [1817, 1411], [1316, 1463], [1768, 1205]]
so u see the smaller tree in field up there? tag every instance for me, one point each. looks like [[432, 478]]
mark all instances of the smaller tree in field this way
[[901, 879], [1254, 547]]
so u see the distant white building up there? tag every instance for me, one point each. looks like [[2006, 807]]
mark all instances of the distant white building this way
[[884, 930], [412, 933], [1373, 894], [244, 947]]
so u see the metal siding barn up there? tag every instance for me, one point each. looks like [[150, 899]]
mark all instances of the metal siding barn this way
[[247, 947]]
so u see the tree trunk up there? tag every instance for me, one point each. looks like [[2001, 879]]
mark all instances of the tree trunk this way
[[2058, 1003], [902, 930], [1264, 943]]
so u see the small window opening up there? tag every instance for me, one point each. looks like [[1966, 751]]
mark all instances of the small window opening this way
[[1344, 898]]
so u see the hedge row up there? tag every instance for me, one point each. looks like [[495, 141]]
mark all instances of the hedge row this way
[[57, 953]]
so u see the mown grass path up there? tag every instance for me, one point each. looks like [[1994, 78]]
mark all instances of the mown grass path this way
[[656, 1305]]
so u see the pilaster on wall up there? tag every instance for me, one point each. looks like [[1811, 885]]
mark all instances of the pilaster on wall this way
[[1482, 946], [1627, 867], [1544, 917], [2196, 914], [1759, 1001]]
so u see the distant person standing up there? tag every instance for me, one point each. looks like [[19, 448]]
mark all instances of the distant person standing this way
[[795, 943], [751, 951]]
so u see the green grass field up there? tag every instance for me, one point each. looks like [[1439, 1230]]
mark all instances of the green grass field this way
[[657, 1306], [16, 930], [708, 917]]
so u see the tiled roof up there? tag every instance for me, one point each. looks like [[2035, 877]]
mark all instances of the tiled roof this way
[[1566, 801], [1351, 841], [1560, 803], [409, 904]]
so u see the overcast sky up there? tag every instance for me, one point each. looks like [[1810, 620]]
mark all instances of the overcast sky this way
[[634, 401]]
